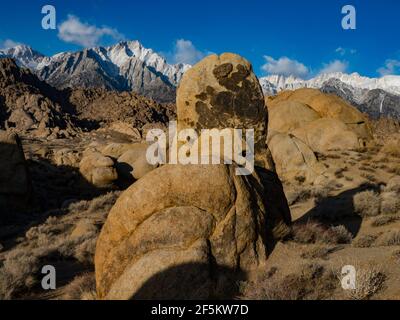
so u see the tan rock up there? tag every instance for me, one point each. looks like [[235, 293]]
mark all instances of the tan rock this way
[[293, 158], [133, 164], [328, 134], [223, 92], [203, 216], [98, 169], [289, 115]]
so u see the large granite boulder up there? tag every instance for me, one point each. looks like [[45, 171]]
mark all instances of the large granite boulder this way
[[203, 215]]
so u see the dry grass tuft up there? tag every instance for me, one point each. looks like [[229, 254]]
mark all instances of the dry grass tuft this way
[[83, 287], [391, 238], [314, 232], [364, 241], [367, 203], [312, 282], [369, 281]]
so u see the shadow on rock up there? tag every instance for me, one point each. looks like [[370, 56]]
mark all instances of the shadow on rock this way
[[192, 281]]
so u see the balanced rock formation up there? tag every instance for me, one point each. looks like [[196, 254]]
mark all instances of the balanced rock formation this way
[[306, 121], [223, 92], [191, 231], [15, 185]]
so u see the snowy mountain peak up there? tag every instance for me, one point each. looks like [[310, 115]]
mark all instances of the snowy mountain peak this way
[[275, 83]]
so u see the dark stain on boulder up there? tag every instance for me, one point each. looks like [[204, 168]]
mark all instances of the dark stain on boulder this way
[[223, 70], [202, 96], [222, 102]]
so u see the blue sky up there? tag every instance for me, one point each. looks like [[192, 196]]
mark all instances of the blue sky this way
[[299, 37]]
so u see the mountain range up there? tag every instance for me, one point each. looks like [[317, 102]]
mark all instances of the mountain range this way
[[375, 96], [126, 66], [129, 66]]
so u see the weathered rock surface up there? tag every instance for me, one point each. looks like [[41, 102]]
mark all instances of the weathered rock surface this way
[[132, 164], [97, 169], [306, 121], [293, 158], [15, 184], [223, 92], [188, 231], [202, 215]]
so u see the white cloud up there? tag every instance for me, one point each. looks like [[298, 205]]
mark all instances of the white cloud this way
[[392, 66], [343, 51], [185, 52], [335, 66], [8, 43], [74, 31], [285, 66]]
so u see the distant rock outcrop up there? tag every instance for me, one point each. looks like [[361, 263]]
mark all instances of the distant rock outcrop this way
[[30, 105]]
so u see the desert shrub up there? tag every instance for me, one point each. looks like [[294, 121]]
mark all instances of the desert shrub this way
[[367, 203], [104, 203], [391, 238], [393, 185], [391, 147], [390, 203], [369, 280], [311, 282], [369, 177], [314, 232], [83, 287], [337, 235], [384, 220], [317, 252], [364, 241]]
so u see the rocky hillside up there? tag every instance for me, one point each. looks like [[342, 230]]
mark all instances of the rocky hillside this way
[[31, 107]]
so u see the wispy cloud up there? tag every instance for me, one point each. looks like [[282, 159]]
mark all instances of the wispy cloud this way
[[73, 30], [335, 66], [185, 52], [344, 51], [8, 43], [285, 66], [392, 66]]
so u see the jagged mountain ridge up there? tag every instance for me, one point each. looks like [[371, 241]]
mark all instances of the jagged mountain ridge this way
[[275, 83], [123, 67], [375, 96]]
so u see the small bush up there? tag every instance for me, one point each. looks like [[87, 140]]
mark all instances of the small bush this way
[[392, 148], [313, 232], [391, 238], [83, 287], [312, 282], [369, 280], [384, 220], [390, 203], [367, 203], [364, 241], [317, 252]]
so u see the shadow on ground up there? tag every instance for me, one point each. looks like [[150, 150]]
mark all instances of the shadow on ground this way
[[337, 210]]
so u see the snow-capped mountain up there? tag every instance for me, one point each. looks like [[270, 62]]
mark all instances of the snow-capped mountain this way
[[124, 66], [24, 55], [275, 83], [374, 96]]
